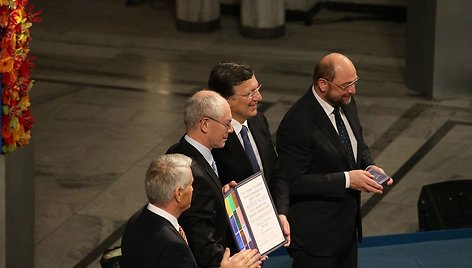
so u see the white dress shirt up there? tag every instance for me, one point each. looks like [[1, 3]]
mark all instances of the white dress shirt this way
[[166, 215], [202, 149], [237, 129]]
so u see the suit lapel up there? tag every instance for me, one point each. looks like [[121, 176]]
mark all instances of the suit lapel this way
[[211, 173], [350, 113], [233, 146], [198, 157], [159, 220], [326, 126], [259, 138], [354, 126]]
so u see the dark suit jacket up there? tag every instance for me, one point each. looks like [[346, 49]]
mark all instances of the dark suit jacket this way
[[149, 240], [205, 222], [233, 164], [324, 215]]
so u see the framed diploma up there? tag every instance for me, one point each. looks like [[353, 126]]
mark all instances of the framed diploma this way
[[252, 216]]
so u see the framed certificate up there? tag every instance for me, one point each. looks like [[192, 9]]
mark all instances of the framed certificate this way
[[252, 216]]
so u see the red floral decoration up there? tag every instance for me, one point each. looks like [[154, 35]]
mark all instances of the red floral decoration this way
[[16, 64]]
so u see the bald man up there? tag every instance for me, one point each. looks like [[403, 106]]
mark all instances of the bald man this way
[[323, 155]]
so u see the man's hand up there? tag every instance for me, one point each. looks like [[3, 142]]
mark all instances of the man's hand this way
[[285, 228], [379, 169], [227, 186], [362, 180], [244, 259]]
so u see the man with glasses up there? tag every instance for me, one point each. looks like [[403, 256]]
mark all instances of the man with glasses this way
[[207, 118], [249, 148], [324, 156]]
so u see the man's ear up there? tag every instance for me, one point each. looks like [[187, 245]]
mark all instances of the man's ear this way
[[178, 194], [322, 84], [204, 125]]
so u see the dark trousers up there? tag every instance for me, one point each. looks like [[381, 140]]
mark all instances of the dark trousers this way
[[348, 259]]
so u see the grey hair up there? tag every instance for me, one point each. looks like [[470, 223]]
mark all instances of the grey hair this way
[[201, 104], [165, 174]]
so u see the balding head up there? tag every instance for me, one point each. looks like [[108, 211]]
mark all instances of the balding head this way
[[330, 65], [207, 117], [334, 79], [203, 103]]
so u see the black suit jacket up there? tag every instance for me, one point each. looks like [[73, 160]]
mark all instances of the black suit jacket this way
[[205, 222], [149, 240], [324, 215], [233, 164]]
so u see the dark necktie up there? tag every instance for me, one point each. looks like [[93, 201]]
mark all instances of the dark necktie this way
[[344, 137], [249, 151]]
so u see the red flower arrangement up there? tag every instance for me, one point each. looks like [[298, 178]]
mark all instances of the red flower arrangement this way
[[16, 18]]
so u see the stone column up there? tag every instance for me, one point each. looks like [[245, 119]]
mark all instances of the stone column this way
[[17, 208], [438, 58], [262, 18], [198, 15]]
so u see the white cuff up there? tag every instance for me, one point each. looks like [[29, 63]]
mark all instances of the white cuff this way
[[348, 180]]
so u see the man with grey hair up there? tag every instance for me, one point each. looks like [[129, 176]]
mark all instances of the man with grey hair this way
[[153, 236], [207, 118]]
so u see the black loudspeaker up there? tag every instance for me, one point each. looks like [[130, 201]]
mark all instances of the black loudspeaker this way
[[445, 205]]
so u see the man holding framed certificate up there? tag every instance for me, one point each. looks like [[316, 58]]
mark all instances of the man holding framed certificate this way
[[249, 149], [207, 118]]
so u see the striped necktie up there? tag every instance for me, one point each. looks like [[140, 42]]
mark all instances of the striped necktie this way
[[213, 166], [182, 233]]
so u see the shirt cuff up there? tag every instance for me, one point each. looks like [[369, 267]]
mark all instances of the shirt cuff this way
[[348, 179]]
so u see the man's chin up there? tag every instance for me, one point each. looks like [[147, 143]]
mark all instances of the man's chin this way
[[253, 113], [346, 101]]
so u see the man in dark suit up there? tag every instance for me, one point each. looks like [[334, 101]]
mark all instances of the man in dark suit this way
[[207, 118], [152, 236], [326, 170], [237, 83]]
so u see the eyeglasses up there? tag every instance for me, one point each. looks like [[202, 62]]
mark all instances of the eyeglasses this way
[[226, 125], [344, 86], [251, 94]]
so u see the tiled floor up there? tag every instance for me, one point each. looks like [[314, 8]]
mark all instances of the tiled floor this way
[[111, 82]]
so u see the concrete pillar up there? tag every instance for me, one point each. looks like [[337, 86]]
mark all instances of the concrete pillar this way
[[198, 15], [262, 18], [17, 208], [438, 55]]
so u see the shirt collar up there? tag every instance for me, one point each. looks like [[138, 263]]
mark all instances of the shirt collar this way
[[326, 106], [201, 148], [166, 215], [238, 126]]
